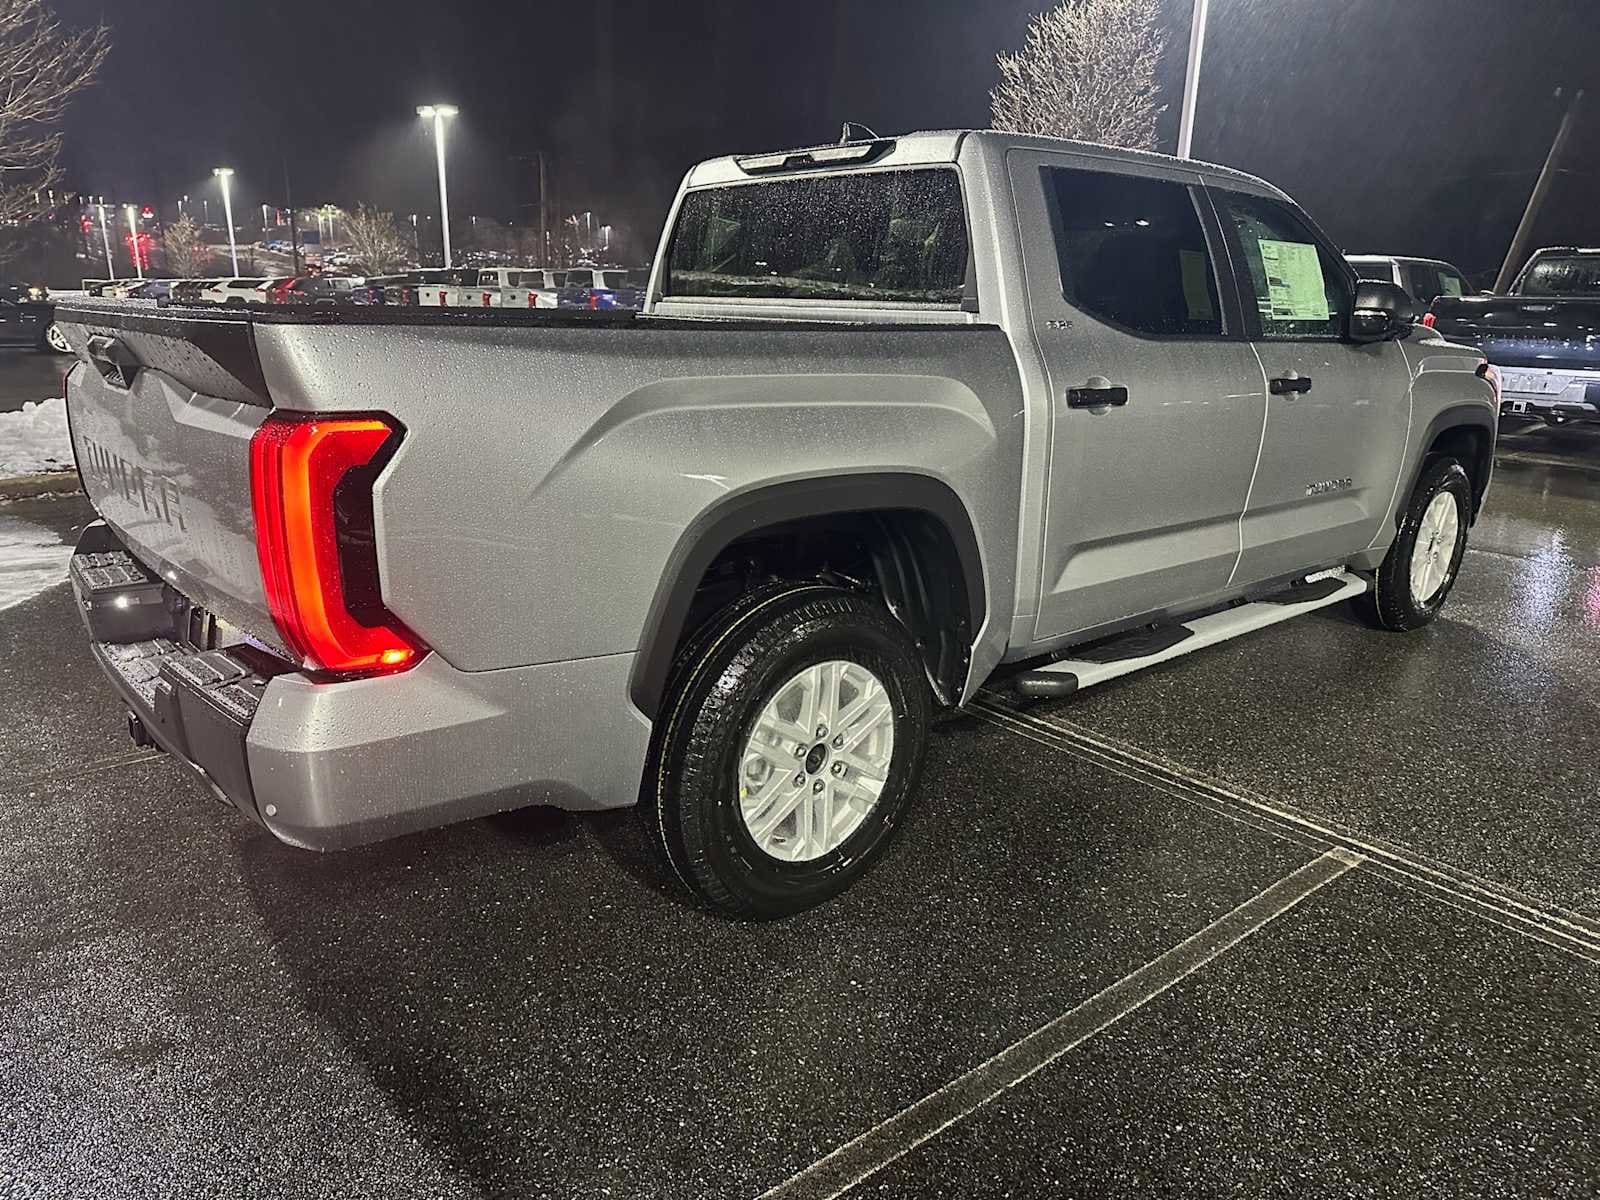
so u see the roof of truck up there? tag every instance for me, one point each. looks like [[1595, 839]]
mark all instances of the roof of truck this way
[[943, 145]]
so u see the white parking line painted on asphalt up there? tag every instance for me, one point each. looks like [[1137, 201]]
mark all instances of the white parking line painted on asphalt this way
[[1486, 899], [865, 1156]]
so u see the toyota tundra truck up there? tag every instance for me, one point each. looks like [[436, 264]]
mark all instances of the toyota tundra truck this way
[[900, 419], [1543, 336]]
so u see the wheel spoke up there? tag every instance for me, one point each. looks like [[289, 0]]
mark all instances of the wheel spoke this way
[[785, 807]]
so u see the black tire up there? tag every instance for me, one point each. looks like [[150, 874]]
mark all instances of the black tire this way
[[45, 344], [1391, 603], [721, 682]]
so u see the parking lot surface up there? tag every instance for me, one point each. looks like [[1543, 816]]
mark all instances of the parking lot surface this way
[[1315, 912]]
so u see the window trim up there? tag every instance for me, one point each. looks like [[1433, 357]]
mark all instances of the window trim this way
[[967, 304], [1246, 286], [1228, 300]]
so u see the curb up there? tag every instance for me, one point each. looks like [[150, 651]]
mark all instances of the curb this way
[[46, 483]]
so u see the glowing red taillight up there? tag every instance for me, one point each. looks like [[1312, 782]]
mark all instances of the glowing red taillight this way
[[1427, 320], [311, 485]]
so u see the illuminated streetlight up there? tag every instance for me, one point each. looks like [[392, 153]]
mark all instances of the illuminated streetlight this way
[[133, 233], [225, 174], [105, 237], [437, 113]]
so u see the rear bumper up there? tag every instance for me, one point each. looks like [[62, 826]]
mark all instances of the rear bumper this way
[[329, 765]]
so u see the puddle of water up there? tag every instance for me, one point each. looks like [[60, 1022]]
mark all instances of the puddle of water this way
[[31, 560]]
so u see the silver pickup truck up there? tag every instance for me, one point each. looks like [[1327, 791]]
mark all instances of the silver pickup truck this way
[[899, 418]]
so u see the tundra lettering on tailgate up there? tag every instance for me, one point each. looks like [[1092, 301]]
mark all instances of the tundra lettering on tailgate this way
[[155, 493]]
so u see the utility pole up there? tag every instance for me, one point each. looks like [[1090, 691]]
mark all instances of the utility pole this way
[[1191, 77], [294, 230], [1519, 240]]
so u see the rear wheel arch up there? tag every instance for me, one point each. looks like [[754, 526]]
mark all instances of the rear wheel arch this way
[[907, 537]]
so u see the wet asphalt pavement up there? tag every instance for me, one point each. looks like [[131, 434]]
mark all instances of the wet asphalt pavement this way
[[519, 1007]]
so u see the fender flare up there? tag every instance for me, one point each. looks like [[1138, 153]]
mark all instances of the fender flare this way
[[1455, 417], [739, 515]]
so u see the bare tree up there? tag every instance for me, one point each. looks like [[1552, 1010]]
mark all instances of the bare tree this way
[[1087, 71], [187, 254], [41, 68], [376, 243]]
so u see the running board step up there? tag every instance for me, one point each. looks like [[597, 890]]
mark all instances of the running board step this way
[[1151, 646]]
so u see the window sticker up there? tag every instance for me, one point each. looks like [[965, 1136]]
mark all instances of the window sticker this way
[[1196, 285], [1295, 289], [1450, 283]]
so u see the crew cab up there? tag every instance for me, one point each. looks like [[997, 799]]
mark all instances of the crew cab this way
[[1543, 335], [900, 419]]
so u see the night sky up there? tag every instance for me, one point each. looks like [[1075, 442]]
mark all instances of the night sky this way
[[1403, 126]]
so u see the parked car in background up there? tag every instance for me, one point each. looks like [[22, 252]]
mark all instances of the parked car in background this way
[[441, 288], [380, 289], [1542, 335], [187, 291], [153, 289], [544, 286], [321, 291], [234, 292], [757, 549], [1425, 278], [271, 290], [18, 292], [592, 287], [31, 324]]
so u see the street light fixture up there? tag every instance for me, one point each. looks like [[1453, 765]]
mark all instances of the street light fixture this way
[[437, 114], [133, 238], [105, 237], [225, 174]]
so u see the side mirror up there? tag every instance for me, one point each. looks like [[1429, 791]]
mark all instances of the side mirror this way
[[1381, 311]]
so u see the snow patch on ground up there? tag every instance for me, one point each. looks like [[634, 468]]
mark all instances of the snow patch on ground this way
[[31, 560], [35, 439]]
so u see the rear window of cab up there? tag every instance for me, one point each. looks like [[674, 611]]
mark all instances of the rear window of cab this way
[[891, 236]]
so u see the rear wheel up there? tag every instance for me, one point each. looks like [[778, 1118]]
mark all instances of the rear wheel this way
[[1417, 574], [790, 746]]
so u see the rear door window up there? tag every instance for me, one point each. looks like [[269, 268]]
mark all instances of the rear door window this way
[[1381, 270], [1132, 252], [1299, 286], [896, 237]]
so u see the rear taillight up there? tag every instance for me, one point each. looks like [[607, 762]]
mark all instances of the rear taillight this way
[[1427, 320], [311, 484], [594, 299]]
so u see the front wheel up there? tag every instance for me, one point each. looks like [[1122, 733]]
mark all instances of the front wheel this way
[[1416, 576], [791, 744]]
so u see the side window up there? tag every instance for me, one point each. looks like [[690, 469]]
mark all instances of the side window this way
[[1300, 288], [1422, 281], [1374, 270], [1451, 284], [1132, 252]]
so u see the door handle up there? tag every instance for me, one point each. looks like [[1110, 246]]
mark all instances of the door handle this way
[[1290, 382], [1097, 392]]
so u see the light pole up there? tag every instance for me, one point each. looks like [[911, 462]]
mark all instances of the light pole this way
[[1191, 77], [133, 238], [437, 113], [105, 237], [225, 174]]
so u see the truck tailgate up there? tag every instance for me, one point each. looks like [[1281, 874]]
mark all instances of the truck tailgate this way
[[161, 426]]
